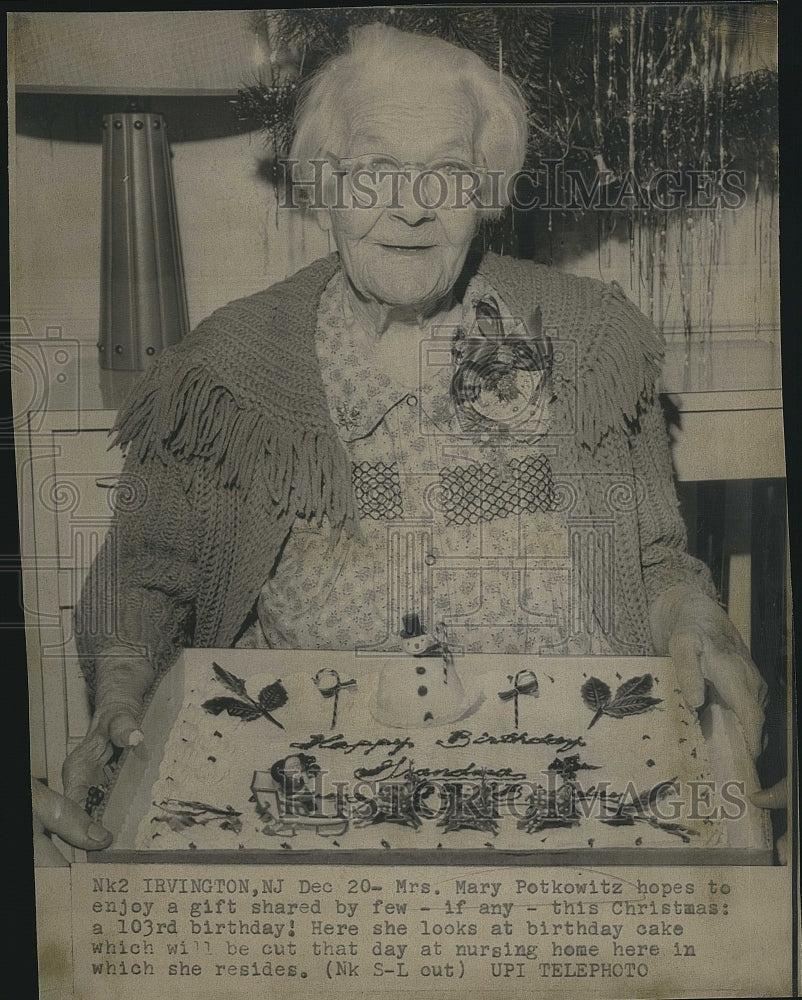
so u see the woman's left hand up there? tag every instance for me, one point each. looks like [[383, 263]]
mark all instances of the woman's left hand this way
[[775, 798], [706, 648]]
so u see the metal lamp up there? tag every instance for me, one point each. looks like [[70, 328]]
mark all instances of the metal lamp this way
[[132, 58], [143, 301]]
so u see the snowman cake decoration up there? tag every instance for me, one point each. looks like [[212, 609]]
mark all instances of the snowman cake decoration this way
[[422, 688]]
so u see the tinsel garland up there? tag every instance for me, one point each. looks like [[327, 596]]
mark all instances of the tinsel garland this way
[[597, 81], [616, 90]]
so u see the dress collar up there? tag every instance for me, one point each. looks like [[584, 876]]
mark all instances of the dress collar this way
[[360, 396]]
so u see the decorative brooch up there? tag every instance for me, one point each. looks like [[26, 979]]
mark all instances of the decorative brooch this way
[[502, 372]]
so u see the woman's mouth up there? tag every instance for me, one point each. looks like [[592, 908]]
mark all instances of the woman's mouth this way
[[404, 248]]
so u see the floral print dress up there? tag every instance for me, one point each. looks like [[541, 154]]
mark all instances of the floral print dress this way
[[459, 520]]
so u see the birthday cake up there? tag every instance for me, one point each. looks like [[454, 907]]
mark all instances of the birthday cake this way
[[321, 750]]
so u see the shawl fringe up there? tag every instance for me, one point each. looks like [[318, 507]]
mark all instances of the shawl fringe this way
[[198, 402], [620, 369], [620, 353], [185, 414]]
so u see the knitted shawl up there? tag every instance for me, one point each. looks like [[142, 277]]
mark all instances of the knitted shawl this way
[[244, 391], [231, 434]]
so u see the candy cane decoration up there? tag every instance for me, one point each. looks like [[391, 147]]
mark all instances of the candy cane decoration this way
[[524, 682], [331, 688], [441, 635]]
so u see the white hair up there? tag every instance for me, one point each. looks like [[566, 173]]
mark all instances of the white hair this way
[[500, 115]]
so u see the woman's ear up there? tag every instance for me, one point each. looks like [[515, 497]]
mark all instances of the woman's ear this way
[[327, 185], [323, 219]]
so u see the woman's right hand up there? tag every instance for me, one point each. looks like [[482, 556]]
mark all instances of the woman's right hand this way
[[85, 766], [53, 813], [119, 697]]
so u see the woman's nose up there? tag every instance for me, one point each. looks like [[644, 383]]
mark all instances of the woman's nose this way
[[408, 205]]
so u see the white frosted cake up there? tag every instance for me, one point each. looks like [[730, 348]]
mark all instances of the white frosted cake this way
[[546, 753]]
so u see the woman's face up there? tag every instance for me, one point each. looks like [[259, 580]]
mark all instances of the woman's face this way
[[401, 253]]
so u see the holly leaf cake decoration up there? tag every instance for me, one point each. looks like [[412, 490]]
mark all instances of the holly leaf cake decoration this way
[[229, 680], [179, 815], [270, 698], [619, 708], [595, 694], [632, 698], [246, 708], [635, 686], [237, 709]]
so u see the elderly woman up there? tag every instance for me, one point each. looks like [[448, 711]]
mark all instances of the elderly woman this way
[[404, 428]]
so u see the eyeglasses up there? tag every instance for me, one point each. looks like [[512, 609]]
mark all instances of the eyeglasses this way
[[375, 178]]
